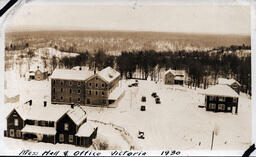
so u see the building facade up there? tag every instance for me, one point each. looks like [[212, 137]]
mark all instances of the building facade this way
[[83, 87], [221, 98], [172, 77], [53, 125]]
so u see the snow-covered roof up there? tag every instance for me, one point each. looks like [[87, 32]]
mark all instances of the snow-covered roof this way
[[80, 68], [180, 72], [221, 90], [227, 81], [71, 74], [39, 112], [116, 93], [170, 71], [85, 130], [175, 72], [78, 115], [108, 74], [39, 129], [179, 78]]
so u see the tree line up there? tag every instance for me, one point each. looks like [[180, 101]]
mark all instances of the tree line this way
[[202, 67]]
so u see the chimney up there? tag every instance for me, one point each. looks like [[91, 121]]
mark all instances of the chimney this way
[[45, 103], [72, 105], [30, 102]]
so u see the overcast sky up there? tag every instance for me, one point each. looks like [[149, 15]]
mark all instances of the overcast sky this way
[[192, 19]]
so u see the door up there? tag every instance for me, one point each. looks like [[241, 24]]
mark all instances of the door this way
[[233, 110]]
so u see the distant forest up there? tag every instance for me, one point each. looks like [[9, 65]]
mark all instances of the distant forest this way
[[200, 65]]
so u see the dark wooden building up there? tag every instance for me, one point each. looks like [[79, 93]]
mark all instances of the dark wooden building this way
[[53, 124], [100, 86], [85, 87], [15, 122], [221, 98], [68, 86]]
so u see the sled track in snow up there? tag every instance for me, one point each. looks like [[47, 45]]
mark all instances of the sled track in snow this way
[[123, 132]]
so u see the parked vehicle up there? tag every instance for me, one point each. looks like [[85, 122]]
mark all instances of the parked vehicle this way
[[143, 108], [143, 99], [154, 95], [158, 100]]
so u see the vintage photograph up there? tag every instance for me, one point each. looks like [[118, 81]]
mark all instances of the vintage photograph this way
[[128, 76]]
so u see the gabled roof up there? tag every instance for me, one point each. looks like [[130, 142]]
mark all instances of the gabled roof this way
[[170, 71], [221, 90], [71, 74], [227, 81], [175, 72], [85, 130], [39, 129], [108, 74], [78, 115], [39, 112]]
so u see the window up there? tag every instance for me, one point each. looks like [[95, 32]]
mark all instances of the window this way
[[90, 92], [78, 91], [221, 107], [66, 126], [18, 134], [16, 122], [71, 138], [102, 85], [234, 99], [12, 132], [61, 90], [61, 82], [221, 99], [96, 92], [96, 85], [61, 138], [53, 82], [103, 93], [43, 123], [90, 84], [88, 101], [212, 106], [53, 90], [78, 83], [96, 78], [212, 98], [78, 100], [61, 98], [70, 83], [70, 91]]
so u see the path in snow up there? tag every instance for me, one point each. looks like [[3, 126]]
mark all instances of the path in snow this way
[[123, 132]]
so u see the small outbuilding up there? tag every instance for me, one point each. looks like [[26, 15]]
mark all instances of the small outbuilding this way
[[174, 77]]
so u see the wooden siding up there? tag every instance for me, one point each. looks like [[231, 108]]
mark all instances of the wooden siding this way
[[11, 126], [72, 129], [94, 88], [228, 103], [169, 78], [69, 90]]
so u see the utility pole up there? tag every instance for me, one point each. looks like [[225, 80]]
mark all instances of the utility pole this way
[[212, 139]]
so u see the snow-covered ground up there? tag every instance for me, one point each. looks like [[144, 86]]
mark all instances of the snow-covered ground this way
[[176, 123]]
